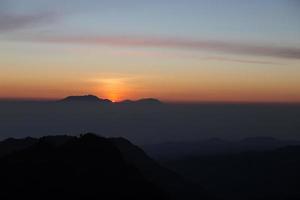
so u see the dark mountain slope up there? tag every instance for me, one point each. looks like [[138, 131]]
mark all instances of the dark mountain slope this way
[[145, 101], [177, 187], [88, 167], [256, 175], [95, 164], [10, 145], [214, 146]]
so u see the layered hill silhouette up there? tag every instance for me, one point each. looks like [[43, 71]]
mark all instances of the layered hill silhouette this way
[[214, 146], [95, 99], [144, 101], [86, 167], [86, 99], [250, 175]]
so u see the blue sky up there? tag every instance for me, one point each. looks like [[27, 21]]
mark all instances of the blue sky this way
[[271, 21]]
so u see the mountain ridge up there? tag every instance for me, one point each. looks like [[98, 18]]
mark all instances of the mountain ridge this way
[[85, 98], [83, 153], [94, 99]]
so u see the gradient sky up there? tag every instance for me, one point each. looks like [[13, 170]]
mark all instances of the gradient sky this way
[[174, 50]]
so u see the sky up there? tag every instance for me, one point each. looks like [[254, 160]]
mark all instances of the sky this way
[[173, 50]]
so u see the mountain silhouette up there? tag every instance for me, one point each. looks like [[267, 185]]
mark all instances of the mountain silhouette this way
[[87, 167], [169, 181], [95, 99], [250, 175], [86, 98], [214, 146], [144, 101], [10, 145]]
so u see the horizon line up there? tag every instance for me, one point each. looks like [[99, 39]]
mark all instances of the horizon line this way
[[44, 99]]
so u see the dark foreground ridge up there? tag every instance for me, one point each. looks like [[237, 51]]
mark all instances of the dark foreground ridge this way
[[85, 167]]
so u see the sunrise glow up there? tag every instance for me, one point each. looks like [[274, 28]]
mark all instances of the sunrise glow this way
[[173, 51]]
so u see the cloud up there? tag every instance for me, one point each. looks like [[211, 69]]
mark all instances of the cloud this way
[[170, 54], [242, 60], [178, 43], [12, 22]]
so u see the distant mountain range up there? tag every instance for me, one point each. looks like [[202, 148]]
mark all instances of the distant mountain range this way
[[144, 101], [85, 98], [95, 99], [214, 146], [252, 175]]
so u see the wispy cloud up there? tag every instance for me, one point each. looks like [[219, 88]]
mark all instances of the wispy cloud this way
[[196, 56], [241, 60], [178, 43], [12, 22]]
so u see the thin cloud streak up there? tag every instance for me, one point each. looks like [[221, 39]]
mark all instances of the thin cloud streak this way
[[241, 60], [177, 43], [12, 22], [155, 54]]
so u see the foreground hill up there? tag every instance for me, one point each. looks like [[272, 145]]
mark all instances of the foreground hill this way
[[175, 185], [88, 167]]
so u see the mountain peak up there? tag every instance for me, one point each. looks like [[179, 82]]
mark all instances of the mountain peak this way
[[85, 98], [149, 101], [144, 101]]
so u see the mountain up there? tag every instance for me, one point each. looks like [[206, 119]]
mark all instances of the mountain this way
[[253, 175], [10, 145], [176, 186], [95, 99], [87, 167], [147, 101], [86, 99], [214, 146], [144, 101]]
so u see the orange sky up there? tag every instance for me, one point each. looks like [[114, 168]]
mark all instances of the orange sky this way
[[178, 51], [46, 71]]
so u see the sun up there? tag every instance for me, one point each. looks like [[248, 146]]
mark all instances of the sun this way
[[112, 88], [113, 96]]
